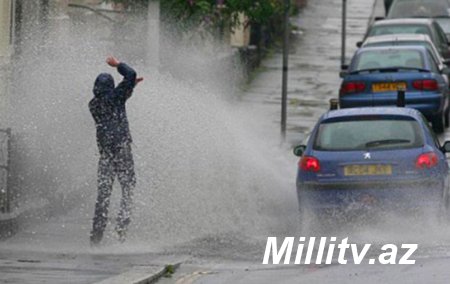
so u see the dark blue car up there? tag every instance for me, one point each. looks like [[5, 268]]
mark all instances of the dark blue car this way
[[377, 73], [386, 157]]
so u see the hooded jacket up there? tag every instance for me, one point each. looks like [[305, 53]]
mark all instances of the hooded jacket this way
[[108, 108]]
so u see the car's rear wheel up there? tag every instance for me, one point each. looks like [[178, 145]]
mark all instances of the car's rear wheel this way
[[443, 214], [444, 211], [438, 124], [446, 200]]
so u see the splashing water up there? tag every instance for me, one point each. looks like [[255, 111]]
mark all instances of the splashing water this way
[[202, 169], [207, 177]]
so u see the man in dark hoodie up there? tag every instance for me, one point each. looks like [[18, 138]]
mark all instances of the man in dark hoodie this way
[[113, 141]]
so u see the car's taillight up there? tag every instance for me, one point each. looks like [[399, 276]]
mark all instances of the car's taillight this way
[[427, 160], [352, 88], [308, 163], [425, 85]]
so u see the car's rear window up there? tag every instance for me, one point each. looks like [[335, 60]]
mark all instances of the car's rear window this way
[[426, 44], [368, 133], [399, 29], [373, 59]]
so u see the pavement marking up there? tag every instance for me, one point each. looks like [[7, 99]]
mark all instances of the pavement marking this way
[[140, 275], [191, 278], [135, 275]]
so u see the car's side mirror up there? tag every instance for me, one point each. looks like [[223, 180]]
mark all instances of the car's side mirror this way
[[378, 18], [446, 62], [299, 150], [446, 71], [446, 147], [359, 44]]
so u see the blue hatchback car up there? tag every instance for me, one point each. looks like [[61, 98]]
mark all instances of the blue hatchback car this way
[[384, 156], [377, 73]]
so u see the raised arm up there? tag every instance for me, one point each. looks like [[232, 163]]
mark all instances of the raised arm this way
[[129, 81]]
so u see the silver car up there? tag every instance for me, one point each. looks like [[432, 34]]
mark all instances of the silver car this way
[[428, 27], [407, 39]]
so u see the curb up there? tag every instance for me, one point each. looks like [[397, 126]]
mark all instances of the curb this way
[[142, 275]]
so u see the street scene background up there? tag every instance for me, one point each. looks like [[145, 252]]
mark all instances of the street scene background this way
[[214, 180]]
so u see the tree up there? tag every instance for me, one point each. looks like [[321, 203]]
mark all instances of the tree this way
[[188, 14]]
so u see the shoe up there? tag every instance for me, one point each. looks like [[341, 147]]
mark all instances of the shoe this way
[[122, 233], [96, 238]]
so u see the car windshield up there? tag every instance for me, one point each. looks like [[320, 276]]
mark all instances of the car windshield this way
[[399, 29], [418, 8], [368, 133], [386, 58]]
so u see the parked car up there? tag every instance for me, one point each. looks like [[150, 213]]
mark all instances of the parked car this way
[[418, 8], [377, 73], [408, 40], [412, 26], [437, 9], [383, 157]]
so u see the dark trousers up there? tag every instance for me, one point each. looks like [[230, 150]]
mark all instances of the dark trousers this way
[[111, 164]]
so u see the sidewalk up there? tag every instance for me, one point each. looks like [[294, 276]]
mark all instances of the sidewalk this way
[[311, 81], [72, 267]]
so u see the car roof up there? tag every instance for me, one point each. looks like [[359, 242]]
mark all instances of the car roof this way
[[420, 48], [398, 37], [422, 1], [400, 111], [404, 21]]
